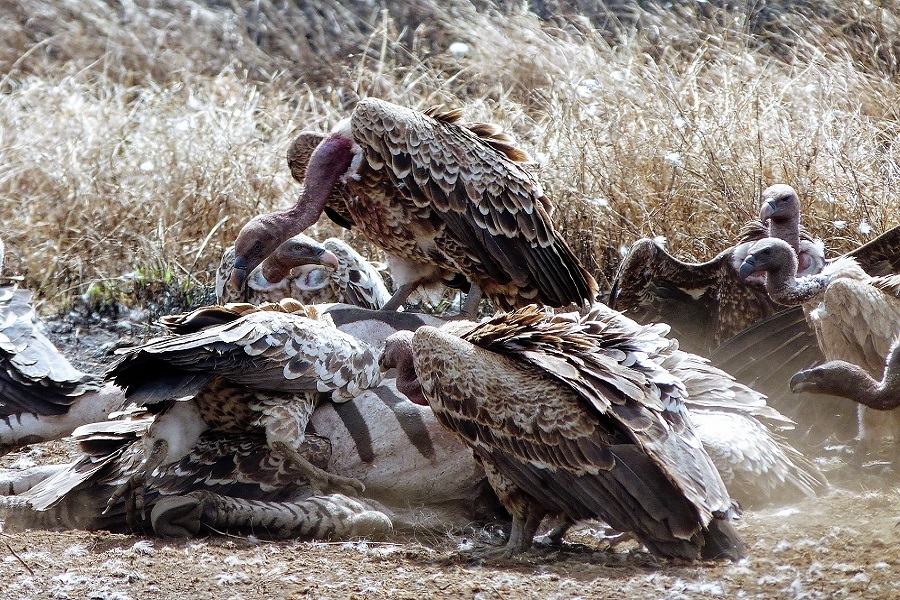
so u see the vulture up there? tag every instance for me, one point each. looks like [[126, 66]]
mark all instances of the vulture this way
[[706, 303], [851, 381], [42, 395], [263, 370], [236, 464], [572, 418], [447, 202], [855, 316], [311, 273], [416, 473]]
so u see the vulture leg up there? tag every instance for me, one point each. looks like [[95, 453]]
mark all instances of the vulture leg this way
[[133, 488], [473, 299], [319, 479], [400, 296], [520, 537]]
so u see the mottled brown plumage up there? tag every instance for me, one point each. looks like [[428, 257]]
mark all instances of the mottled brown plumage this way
[[706, 303], [264, 370], [571, 417], [446, 202]]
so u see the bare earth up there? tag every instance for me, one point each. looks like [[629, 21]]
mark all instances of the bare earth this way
[[842, 545]]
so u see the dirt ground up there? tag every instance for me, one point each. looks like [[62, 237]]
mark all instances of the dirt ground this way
[[841, 545]]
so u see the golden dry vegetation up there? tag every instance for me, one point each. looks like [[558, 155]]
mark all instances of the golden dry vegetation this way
[[137, 137]]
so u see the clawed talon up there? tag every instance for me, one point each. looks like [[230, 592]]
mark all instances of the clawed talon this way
[[134, 488], [132, 491], [322, 481]]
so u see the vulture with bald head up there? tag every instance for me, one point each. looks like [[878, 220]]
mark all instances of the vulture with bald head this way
[[448, 203], [707, 303], [308, 272], [571, 418], [855, 317]]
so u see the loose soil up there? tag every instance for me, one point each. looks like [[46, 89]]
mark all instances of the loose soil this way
[[840, 545]]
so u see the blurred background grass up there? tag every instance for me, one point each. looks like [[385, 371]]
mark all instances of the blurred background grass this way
[[137, 137]]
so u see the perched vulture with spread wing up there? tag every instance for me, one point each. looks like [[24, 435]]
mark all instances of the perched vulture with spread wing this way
[[571, 418], [311, 273], [42, 396], [856, 317], [707, 303], [847, 380], [264, 370], [447, 202]]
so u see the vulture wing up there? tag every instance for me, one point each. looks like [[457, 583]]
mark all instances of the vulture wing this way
[[653, 286], [473, 179], [34, 377], [264, 350], [765, 356], [859, 320], [881, 256]]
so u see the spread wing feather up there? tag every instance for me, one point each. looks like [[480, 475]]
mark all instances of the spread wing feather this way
[[264, 350]]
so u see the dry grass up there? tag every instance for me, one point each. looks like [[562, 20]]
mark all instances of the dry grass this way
[[137, 137]]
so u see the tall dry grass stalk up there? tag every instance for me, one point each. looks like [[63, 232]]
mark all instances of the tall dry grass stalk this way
[[142, 135]]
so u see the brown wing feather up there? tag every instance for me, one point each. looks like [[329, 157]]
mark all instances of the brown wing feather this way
[[264, 350], [493, 207], [556, 444], [704, 303]]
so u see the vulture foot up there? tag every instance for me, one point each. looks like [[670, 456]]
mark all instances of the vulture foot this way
[[520, 538], [177, 516], [322, 481], [132, 489]]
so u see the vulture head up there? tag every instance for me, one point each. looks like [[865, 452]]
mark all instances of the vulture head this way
[[780, 205], [772, 255], [398, 354], [298, 251], [264, 233]]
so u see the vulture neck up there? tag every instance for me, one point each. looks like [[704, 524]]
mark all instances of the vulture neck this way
[[786, 228], [850, 381], [785, 288], [408, 381], [329, 162]]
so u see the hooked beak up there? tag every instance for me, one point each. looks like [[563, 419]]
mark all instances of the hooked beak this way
[[328, 259], [799, 381], [239, 273], [766, 210], [747, 267]]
